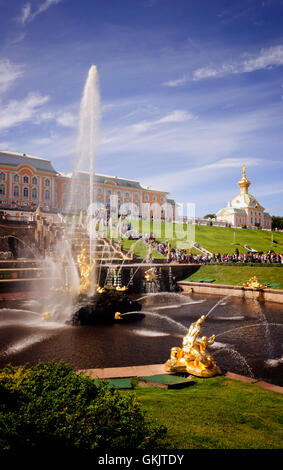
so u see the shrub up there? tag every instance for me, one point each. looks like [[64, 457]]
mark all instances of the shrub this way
[[49, 406]]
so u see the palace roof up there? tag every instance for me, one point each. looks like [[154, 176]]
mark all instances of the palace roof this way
[[14, 159]]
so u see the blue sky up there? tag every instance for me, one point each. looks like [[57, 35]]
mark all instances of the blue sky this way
[[190, 91]]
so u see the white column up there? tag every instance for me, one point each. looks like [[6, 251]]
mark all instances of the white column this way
[[11, 186], [40, 190]]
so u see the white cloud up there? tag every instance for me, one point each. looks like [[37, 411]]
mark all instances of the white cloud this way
[[177, 82], [62, 118], [18, 111], [45, 5], [66, 119], [9, 72], [27, 15], [266, 58], [193, 176], [178, 115], [270, 57]]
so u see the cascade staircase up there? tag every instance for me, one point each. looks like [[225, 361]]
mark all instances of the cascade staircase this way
[[201, 249], [103, 251]]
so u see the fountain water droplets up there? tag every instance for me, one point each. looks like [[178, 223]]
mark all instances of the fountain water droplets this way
[[60, 304], [220, 302], [238, 357], [168, 319]]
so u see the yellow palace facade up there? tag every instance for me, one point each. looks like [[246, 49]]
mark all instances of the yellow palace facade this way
[[28, 182]]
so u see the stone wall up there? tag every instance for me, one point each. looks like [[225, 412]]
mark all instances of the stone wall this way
[[271, 295]]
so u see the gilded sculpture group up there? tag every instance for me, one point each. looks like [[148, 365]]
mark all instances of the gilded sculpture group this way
[[193, 357]]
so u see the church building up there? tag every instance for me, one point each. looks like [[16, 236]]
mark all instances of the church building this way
[[244, 210]]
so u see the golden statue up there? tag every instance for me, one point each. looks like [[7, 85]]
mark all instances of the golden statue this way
[[117, 316], [45, 316], [192, 357], [99, 289], [123, 288], [86, 270], [150, 275], [254, 283]]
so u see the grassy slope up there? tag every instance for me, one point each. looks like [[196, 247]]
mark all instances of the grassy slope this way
[[215, 239], [237, 275], [216, 413]]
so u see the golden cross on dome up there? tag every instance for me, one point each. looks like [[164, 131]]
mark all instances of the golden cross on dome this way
[[244, 171]]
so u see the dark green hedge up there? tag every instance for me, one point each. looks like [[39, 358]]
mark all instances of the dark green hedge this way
[[49, 406], [257, 265]]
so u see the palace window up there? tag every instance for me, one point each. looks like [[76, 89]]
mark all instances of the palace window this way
[[47, 195], [25, 192], [2, 190], [25, 179], [34, 180], [127, 195], [2, 176], [47, 182], [154, 198], [16, 191], [34, 193], [16, 179], [109, 193], [146, 197]]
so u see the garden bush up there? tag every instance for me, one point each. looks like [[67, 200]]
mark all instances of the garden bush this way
[[50, 406]]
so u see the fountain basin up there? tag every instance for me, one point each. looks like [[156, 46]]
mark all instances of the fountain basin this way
[[101, 308], [248, 335]]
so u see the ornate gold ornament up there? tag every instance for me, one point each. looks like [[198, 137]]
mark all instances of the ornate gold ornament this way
[[192, 357], [86, 270], [150, 275], [254, 283]]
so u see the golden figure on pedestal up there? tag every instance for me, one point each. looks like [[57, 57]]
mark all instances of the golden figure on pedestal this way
[[254, 283], [86, 270], [192, 357], [150, 275]]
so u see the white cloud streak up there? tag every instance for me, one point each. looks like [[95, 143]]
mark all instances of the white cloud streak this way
[[27, 15], [176, 116], [9, 72], [267, 58], [19, 111], [193, 176]]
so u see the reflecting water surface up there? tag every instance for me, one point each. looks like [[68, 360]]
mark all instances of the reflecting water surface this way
[[249, 335]]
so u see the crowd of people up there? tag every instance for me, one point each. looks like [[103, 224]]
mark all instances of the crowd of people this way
[[25, 206], [177, 255]]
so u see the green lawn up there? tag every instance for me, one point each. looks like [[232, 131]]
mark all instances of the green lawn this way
[[140, 249], [237, 275], [214, 239], [216, 413]]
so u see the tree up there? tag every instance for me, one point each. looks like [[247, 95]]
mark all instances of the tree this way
[[277, 223], [51, 407], [210, 216]]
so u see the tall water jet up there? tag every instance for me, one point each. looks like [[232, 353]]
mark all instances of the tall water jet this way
[[87, 146]]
